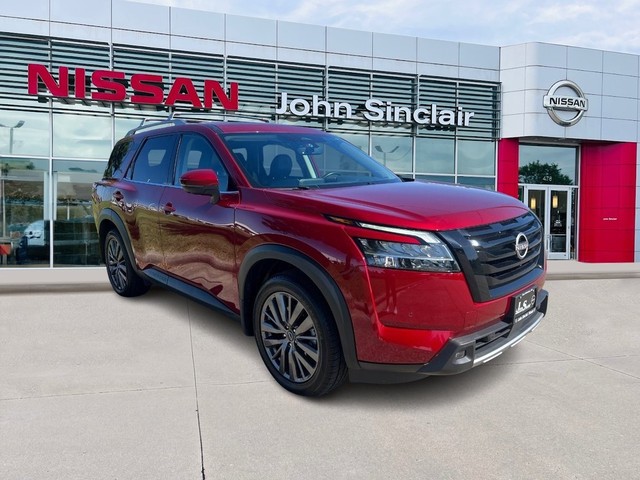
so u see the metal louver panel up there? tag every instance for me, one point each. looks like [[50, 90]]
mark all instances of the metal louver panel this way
[[349, 87], [258, 86], [198, 68], [346, 86], [480, 98], [15, 54], [484, 100], [300, 81], [85, 55], [441, 92], [90, 57], [133, 61], [399, 90]]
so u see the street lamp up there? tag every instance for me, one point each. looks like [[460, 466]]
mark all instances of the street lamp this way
[[2, 196], [17, 125]]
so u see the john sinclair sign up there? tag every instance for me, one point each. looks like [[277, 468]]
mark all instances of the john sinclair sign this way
[[151, 89]]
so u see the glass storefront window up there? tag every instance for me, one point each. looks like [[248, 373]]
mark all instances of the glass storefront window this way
[[436, 178], [476, 157], [360, 141], [24, 133], [393, 152], [488, 183], [81, 136], [123, 125], [75, 239], [548, 165], [24, 234], [44, 190], [434, 155]]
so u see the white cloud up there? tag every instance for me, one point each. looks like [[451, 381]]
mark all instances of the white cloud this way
[[562, 14], [597, 24]]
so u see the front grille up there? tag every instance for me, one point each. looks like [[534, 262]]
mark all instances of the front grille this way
[[487, 255]]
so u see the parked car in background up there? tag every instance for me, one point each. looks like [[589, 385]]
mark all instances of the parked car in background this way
[[76, 242], [37, 234]]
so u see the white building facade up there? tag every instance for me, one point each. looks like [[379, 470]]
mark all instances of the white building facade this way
[[556, 126]]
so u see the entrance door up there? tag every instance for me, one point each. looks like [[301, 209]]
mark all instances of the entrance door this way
[[554, 207]]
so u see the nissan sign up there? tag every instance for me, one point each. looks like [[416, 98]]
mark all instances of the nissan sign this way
[[139, 88], [565, 110]]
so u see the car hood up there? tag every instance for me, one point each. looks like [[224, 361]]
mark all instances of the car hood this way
[[416, 205]]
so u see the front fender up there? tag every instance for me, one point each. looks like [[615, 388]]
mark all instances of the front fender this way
[[320, 278]]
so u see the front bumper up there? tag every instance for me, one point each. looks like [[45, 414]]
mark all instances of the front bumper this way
[[460, 353]]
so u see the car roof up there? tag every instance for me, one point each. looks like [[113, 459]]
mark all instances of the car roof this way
[[220, 127]]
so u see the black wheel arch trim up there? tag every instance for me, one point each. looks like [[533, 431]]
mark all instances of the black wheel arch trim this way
[[113, 217], [322, 280]]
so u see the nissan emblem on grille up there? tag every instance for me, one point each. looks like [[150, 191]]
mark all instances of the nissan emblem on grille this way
[[522, 245]]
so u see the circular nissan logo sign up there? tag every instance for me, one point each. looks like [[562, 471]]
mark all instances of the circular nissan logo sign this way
[[565, 110], [522, 245]]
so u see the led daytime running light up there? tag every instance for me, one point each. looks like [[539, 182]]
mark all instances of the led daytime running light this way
[[426, 237], [430, 255]]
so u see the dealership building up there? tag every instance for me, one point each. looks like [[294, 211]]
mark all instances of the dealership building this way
[[553, 125]]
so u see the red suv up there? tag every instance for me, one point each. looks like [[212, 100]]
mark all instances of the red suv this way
[[337, 266]]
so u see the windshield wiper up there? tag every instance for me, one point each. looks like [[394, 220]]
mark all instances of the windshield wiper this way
[[306, 183]]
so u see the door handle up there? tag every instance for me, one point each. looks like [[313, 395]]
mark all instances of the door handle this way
[[169, 208]]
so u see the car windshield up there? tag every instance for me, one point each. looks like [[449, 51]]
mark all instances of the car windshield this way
[[294, 160]]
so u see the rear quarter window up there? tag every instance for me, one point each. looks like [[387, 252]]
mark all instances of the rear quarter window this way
[[117, 164], [154, 161]]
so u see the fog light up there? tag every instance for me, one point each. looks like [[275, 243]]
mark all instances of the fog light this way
[[460, 354]]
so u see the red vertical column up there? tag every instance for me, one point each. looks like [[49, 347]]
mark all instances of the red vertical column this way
[[607, 203], [508, 156]]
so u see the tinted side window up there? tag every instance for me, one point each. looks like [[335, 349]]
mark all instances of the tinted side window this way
[[155, 160], [196, 152], [116, 160]]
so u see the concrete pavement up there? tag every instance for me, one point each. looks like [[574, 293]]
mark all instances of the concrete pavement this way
[[93, 385], [574, 270], [95, 278]]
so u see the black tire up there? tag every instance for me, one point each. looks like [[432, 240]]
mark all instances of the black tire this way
[[123, 277], [297, 337]]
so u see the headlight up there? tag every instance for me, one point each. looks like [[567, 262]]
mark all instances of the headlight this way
[[430, 255]]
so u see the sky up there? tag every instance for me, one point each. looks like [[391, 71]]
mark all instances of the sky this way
[[600, 24]]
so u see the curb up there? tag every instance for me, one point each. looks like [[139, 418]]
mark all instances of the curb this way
[[95, 280], [27, 289], [591, 275]]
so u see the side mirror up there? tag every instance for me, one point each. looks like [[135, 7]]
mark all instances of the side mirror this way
[[202, 182]]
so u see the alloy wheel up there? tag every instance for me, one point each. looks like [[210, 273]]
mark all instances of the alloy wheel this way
[[289, 336], [116, 264]]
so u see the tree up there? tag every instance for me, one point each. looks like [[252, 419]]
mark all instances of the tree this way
[[544, 174]]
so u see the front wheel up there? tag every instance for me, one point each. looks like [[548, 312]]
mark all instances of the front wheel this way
[[123, 277], [297, 337]]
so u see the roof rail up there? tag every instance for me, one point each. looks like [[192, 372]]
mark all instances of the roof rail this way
[[148, 123], [219, 116]]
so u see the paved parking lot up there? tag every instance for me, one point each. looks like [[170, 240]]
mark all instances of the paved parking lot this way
[[96, 386]]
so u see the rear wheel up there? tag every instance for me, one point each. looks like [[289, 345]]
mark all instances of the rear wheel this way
[[297, 337], [123, 277]]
